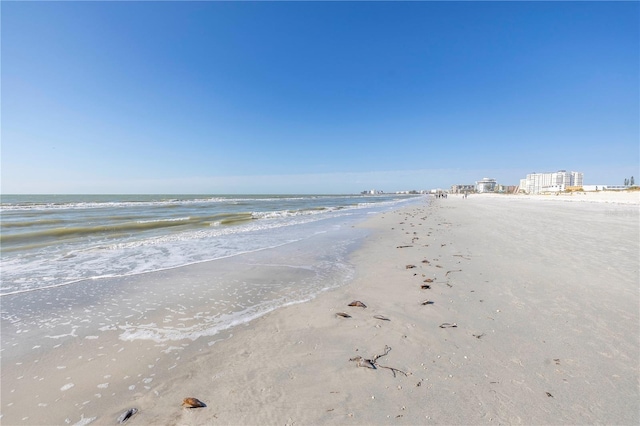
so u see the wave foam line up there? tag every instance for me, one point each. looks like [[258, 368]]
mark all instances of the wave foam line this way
[[30, 290]]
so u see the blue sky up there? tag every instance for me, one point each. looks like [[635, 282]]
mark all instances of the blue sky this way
[[315, 97]]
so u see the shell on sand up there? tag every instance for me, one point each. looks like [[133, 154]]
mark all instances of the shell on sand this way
[[127, 415], [343, 315], [193, 403], [448, 325], [357, 303]]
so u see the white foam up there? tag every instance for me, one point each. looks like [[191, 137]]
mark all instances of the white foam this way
[[208, 328], [172, 348], [175, 219], [85, 421], [59, 336]]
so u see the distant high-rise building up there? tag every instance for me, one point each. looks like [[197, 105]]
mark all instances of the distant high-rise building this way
[[576, 179], [536, 183], [486, 185]]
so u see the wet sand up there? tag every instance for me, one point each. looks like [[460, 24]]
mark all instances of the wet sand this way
[[534, 319]]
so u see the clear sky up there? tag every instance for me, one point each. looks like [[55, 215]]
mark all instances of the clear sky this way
[[315, 97]]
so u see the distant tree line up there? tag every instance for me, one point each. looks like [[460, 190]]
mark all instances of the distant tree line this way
[[629, 182]]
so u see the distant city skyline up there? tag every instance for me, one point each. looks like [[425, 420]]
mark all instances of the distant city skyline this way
[[315, 97]]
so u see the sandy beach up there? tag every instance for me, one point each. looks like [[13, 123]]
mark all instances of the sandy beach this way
[[485, 310]]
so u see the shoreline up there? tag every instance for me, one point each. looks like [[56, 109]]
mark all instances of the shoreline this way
[[537, 340]]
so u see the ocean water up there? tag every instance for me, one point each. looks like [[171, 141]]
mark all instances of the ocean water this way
[[54, 240], [73, 263]]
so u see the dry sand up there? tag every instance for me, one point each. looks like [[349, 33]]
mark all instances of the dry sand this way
[[608, 197], [544, 296]]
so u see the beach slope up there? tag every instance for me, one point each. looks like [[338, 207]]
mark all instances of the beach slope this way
[[478, 311]]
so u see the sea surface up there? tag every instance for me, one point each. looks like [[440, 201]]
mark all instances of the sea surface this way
[[73, 262], [54, 240]]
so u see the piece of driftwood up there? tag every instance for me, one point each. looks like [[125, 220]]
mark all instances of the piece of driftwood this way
[[373, 362], [343, 315], [448, 272], [427, 302], [462, 256], [357, 303], [410, 266], [425, 286]]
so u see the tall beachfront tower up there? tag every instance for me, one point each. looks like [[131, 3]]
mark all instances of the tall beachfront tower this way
[[576, 179], [536, 183]]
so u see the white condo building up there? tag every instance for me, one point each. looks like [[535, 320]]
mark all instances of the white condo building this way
[[536, 183], [486, 185]]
